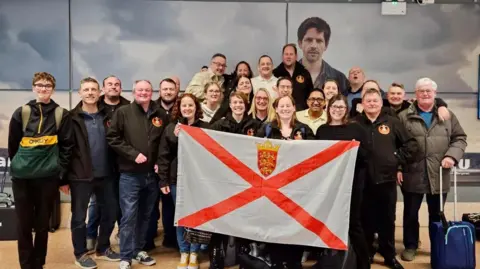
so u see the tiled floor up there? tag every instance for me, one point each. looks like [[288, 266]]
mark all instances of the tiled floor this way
[[60, 254]]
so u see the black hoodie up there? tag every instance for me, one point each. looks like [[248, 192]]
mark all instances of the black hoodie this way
[[302, 83], [42, 123]]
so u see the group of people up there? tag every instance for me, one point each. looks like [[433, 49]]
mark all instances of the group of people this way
[[124, 154]]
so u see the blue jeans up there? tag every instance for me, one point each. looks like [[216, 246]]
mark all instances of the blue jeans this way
[[183, 245], [93, 218], [138, 192]]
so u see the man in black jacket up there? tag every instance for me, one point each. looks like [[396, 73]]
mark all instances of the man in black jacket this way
[[392, 147], [91, 172], [302, 81], [111, 100], [39, 144], [135, 134]]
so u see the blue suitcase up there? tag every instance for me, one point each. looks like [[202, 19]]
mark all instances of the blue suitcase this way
[[453, 242]]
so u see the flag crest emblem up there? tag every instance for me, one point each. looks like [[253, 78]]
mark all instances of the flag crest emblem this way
[[267, 157]]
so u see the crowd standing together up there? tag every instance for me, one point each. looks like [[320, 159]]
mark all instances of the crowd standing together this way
[[118, 159]]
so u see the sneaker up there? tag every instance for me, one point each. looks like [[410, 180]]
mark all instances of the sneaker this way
[[124, 265], [183, 264], [143, 258], [86, 262], [193, 261], [108, 255], [91, 242], [408, 255], [305, 256]]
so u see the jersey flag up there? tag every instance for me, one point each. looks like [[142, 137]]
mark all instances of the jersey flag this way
[[288, 192]]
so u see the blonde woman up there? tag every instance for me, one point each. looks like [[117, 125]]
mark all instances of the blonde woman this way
[[261, 108], [212, 101]]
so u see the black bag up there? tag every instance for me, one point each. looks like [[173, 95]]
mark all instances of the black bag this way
[[231, 249], [55, 218], [249, 262], [193, 236], [473, 218]]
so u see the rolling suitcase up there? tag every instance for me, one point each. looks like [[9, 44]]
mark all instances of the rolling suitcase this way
[[453, 242]]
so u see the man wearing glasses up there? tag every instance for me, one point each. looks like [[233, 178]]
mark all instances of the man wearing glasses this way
[[215, 72], [314, 115], [40, 142]]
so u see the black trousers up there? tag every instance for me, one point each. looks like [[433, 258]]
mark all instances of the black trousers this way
[[380, 201], [356, 232], [34, 200], [153, 224], [168, 217], [412, 203], [103, 188], [291, 255]]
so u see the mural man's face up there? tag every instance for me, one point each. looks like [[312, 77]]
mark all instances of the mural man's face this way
[[313, 45]]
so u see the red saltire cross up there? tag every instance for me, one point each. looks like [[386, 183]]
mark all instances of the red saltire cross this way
[[266, 187]]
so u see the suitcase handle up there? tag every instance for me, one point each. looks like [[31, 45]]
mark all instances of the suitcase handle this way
[[442, 211]]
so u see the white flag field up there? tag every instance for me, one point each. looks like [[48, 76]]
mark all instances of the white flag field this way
[[288, 192]]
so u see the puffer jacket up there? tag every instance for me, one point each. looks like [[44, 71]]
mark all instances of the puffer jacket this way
[[442, 139]]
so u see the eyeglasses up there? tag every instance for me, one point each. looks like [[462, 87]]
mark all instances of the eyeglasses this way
[[219, 64], [339, 107], [45, 86], [259, 98], [313, 99]]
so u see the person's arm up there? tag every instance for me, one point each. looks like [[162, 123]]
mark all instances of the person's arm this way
[[458, 141], [407, 145], [15, 133], [115, 137], [442, 110], [196, 85], [66, 141], [165, 158]]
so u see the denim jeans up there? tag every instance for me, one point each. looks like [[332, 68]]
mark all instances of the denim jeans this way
[[412, 203], [183, 245], [138, 192], [81, 191], [94, 213]]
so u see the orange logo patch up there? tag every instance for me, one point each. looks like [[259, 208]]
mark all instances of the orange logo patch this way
[[298, 136], [300, 79], [157, 122], [250, 132], [384, 129]]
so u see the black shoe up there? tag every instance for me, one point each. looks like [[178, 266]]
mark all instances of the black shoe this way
[[394, 264]]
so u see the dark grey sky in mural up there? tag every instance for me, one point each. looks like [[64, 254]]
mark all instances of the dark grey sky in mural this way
[[149, 39], [440, 41], [33, 38]]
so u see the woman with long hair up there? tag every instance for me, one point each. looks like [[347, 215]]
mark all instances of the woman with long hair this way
[[286, 127], [330, 88], [243, 84], [241, 69], [186, 111], [339, 128], [262, 107], [211, 105]]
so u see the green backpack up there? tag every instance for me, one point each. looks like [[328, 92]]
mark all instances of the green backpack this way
[[37, 157]]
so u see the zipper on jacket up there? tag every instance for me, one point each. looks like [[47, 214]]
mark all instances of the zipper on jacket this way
[[41, 119]]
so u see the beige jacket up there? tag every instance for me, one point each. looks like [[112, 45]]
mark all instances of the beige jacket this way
[[198, 82]]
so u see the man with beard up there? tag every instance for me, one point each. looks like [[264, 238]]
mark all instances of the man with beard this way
[[313, 37], [302, 81], [111, 100], [314, 116], [168, 95], [215, 72]]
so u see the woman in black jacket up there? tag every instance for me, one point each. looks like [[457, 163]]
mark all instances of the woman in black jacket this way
[[286, 127], [237, 122], [187, 111], [338, 128]]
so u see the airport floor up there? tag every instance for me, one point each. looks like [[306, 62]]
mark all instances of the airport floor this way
[[60, 254]]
